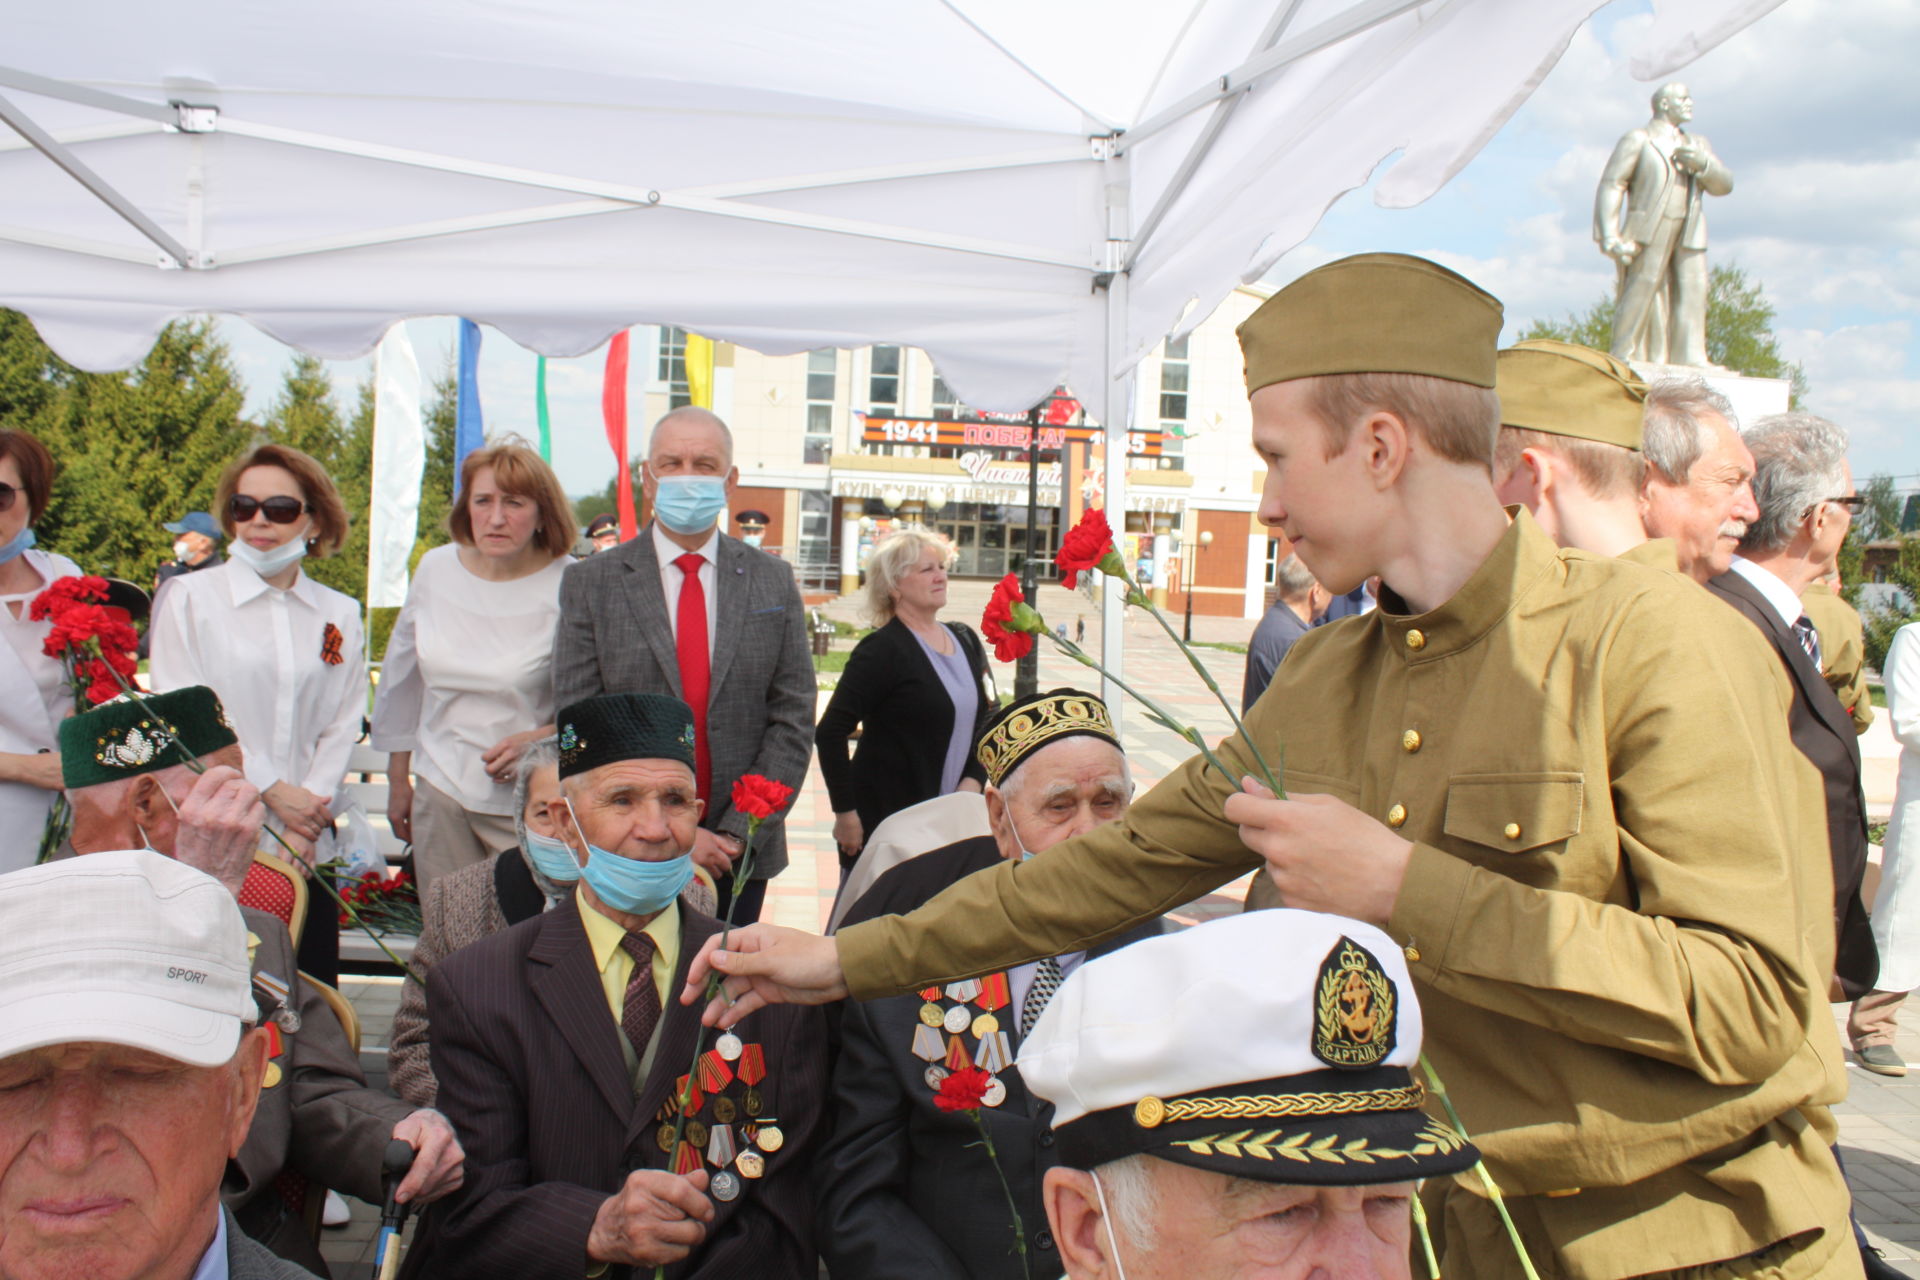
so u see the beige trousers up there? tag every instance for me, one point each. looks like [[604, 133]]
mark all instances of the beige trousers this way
[[447, 836], [1874, 1018]]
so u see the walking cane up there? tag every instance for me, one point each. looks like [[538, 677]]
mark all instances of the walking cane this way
[[393, 1214]]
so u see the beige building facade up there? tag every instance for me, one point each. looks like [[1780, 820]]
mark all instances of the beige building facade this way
[[837, 447]]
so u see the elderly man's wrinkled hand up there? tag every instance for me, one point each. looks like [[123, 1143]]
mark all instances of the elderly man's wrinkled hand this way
[[655, 1218], [219, 826], [439, 1165], [1323, 854]]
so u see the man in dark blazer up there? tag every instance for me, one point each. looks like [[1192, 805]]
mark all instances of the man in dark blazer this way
[[907, 1192], [1804, 491], [567, 1107], [633, 620]]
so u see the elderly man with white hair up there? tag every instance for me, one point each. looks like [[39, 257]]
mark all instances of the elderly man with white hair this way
[[1239, 1100], [1805, 496], [131, 1062], [906, 1191], [1699, 482]]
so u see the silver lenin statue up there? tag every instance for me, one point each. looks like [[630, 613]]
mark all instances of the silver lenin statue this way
[[1649, 217]]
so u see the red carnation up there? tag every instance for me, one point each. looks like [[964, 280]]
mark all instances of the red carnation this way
[[760, 797], [1009, 623], [1086, 546], [963, 1090]]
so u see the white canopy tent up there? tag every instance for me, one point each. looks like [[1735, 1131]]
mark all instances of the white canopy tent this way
[[1034, 191]]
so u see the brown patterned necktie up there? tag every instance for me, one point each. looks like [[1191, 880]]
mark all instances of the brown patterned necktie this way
[[641, 1012]]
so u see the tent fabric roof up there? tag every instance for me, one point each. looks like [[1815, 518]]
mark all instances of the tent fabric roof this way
[[961, 176]]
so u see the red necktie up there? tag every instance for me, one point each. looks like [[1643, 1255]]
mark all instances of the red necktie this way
[[690, 638]]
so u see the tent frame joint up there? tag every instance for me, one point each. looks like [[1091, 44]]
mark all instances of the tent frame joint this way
[[195, 119]]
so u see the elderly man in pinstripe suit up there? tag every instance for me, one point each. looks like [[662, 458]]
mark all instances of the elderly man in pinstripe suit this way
[[563, 1063]]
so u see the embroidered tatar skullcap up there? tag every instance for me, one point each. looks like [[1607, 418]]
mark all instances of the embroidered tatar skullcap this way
[[125, 738], [1025, 725], [611, 727]]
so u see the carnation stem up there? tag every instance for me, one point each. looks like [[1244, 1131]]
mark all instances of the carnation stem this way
[[1426, 1235], [1480, 1167], [1166, 625], [742, 872], [1154, 709], [1013, 1207]]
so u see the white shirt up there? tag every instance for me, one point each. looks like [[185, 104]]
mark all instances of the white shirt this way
[[671, 577], [470, 661], [213, 1263], [1020, 979], [1776, 593], [34, 699], [261, 649]]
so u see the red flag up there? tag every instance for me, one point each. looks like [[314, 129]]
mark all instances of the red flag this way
[[613, 408]]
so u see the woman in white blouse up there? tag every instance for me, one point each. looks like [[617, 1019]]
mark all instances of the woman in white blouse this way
[[286, 655], [467, 682], [34, 695]]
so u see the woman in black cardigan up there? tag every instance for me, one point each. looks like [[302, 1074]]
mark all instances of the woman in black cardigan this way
[[915, 687]]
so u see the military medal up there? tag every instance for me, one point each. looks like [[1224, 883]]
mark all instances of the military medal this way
[[272, 1077], [751, 1164], [686, 1159], [996, 1092], [964, 990], [715, 1074], [728, 1046], [958, 1059], [664, 1136], [752, 1069], [931, 1014], [724, 1111], [985, 1025], [696, 1133], [751, 1104], [996, 1053], [769, 1138], [725, 1186], [929, 1044], [694, 1099], [721, 1147], [957, 1019], [934, 1076]]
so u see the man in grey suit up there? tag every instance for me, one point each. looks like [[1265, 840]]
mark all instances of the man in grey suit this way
[[685, 610]]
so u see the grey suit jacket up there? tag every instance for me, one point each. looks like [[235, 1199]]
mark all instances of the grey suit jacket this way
[[247, 1259], [616, 636]]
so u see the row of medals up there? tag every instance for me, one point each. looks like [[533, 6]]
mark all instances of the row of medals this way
[[941, 1038], [729, 1060]]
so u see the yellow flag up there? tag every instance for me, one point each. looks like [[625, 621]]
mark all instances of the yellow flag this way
[[699, 362]]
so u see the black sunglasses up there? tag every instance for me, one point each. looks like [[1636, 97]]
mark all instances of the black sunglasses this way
[[7, 494], [1854, 502], [280, 510]]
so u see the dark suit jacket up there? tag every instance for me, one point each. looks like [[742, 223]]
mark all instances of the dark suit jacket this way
[[247, 1259], [616, 636], [532, 1077], [1823, 732], [319, 1118], [906, 1193], [891, 688]]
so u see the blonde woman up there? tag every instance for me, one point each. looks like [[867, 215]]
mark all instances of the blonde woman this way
[[467, 683], [915, 686]]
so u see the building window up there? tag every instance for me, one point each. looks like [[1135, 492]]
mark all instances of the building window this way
[[946, 406], [1273, 562], [821, 368], [883, 382], [672, 373], [1174, 384], [815, 559]]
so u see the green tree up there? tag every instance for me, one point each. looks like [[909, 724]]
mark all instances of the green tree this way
[[606, 502], [1880, 515], [138, 448], [1881, 624], [349, 461], [438, 479], [32, 378], [305, 416], [1740, 333]]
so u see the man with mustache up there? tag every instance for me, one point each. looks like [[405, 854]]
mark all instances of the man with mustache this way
[[1699, 485]]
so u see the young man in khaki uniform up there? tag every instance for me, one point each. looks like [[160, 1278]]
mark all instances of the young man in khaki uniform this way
[[1564, 808]]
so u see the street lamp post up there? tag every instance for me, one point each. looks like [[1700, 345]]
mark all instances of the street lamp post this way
[[1193, 572]]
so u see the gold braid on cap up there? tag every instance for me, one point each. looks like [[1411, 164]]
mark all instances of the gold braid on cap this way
[[1151, 1113], [1013, 739]]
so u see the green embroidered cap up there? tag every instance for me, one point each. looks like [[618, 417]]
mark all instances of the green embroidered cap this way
[[611, 727], [124, 738]]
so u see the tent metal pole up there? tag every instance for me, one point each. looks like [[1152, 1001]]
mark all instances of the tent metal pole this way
[[103, 190], [1117, 416], [46, 87], [1203, 145], [94, 133], [76, 244], [1359, 19]]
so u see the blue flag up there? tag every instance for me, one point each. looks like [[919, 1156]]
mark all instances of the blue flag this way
[[469, 432]]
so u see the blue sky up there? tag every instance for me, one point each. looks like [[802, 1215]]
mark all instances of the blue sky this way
[[1814, 108]]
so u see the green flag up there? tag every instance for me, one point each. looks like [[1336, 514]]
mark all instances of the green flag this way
[[540, 402]]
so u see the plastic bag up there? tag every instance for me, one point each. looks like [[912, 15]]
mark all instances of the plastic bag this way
[[351, 845]]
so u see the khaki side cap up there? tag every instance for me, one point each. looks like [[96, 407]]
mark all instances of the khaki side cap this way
[[1374, 313], [1568, 390]]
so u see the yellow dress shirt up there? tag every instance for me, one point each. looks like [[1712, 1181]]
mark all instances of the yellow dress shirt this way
[[616, 966]]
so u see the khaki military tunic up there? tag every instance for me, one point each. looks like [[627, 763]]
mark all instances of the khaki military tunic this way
[[1603, 906], [1657, 553], [1843, 650]]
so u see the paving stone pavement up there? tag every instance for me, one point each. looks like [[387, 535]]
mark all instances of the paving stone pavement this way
[[1879, 1122]]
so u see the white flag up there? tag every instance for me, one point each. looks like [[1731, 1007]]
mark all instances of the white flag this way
[[399, 459]]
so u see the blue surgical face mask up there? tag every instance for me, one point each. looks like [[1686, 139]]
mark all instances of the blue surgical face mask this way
[[629, 885], [269, 563], [689, 504], [21, 541], [552, 858]]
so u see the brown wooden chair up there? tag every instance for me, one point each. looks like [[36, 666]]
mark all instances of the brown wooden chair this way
[[273, 886]]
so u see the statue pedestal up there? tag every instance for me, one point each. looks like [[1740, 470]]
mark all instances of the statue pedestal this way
[[1752, 398]]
